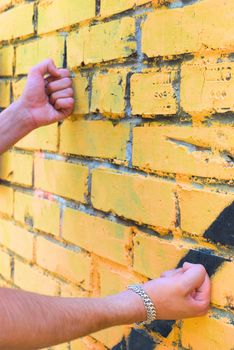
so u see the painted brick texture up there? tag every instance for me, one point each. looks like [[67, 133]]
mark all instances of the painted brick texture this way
[[140, 178]]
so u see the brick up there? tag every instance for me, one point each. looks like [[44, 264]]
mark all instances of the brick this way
[[17, 22], [43, 214], [32, 53], [213, 333], [6, 200], [111, 336], [184, 150], [82, 46], [53, 175], [199, 209], [113, 282], [18, 87], [81, 94], [71, 291], [16, 167], [153, 255], [5, 265], [105, 238], [99, 139], [203, 25], [111, 7], [32, 279], [5, 97], [16, 239], [108, 93], [152, 93], [64, 346], [74, 266], [145, 200], [223, 286], [86, 343], [62, 14], [6, 61], [207, 87], [45, 138]]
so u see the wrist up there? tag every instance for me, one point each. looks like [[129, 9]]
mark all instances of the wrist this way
[[125, 308], [23, 115]]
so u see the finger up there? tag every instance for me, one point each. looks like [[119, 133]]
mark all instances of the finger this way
[[171, 273], [45, 67], [57, 85], [204, 291], [63, 73], [193, 277], [65, 104], [61, 94]]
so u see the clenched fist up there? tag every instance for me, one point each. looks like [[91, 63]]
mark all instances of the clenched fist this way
[[181, 293], [48, 95]]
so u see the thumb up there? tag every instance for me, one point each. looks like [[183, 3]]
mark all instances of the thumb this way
[[193, 276], [46, 67]]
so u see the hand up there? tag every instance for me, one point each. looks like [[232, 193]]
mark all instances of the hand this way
[[181, 293], [47, 100]]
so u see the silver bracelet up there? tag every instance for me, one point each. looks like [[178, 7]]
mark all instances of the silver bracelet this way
[[149, 305]]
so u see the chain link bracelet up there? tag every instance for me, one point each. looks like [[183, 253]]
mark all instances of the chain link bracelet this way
[[149, 305]]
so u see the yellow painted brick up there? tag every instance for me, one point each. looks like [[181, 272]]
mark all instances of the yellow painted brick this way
[[199, 209], [64, 346], [81, 94], [6, 61], [45, 138], [223, 285], [18, 87], [213, 333], [32, 279], [64, 179], [145, 200], [153, 93], [70, 291], [108, 93], [63, 14], [111, 336], [82, 46], [86, 343], [99, 139], [6, 200], [4, 4], [153, 255], [207, 87], [16, 167], [109, 7], [17, 22], [32, 53], [113, 282], [78, 345], [16, 239], [74, 266], [205, 24], [198, 151], [5, 265], [44, 214], [5, 97], [105, 238]]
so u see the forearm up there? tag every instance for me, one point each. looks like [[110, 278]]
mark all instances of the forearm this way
[[30, 321], [14, 124]]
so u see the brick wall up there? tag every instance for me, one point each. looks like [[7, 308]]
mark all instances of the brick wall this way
[[140, 178]]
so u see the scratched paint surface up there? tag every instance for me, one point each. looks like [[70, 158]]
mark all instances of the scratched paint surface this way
[[140, 178]]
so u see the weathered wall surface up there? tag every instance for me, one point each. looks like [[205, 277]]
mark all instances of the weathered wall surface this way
[[141, 177]]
